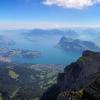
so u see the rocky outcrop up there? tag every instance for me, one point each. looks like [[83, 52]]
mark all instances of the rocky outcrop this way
[[81, 73], [93, 90], [52, 93], [77, 81]]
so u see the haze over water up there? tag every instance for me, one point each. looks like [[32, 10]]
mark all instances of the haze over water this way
[[46, 45]]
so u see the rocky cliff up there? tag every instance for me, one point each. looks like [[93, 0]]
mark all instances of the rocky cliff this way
[[80, 73], [77, 79]]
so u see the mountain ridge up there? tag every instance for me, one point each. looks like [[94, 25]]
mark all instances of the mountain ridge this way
[[77, 45], [76, 77]]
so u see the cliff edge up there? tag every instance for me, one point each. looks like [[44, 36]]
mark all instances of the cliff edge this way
[[77, 78]]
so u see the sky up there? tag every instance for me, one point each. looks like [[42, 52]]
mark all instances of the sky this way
[[49, 13]]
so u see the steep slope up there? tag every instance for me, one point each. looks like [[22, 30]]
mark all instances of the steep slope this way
[[76, 77], [80, 73], [92, 90]]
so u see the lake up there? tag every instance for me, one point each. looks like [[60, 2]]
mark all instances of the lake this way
[[47, 45]]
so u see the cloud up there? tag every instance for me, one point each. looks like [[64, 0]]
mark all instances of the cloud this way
[[40, 25], [44, 25], [76, 4]]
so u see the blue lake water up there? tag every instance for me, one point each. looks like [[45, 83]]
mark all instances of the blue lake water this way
[[50, 54]]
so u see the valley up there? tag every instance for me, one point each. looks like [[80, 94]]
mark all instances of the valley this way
[[31, 63], [26, 80]]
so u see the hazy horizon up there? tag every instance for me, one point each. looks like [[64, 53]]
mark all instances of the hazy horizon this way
[[48, 14]]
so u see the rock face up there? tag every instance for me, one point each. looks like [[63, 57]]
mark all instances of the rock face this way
[[77, 81], [93, 90], [81, 73], [77, 45]]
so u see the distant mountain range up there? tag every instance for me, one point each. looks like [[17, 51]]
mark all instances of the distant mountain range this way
[[39, 32], [77, 45]]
